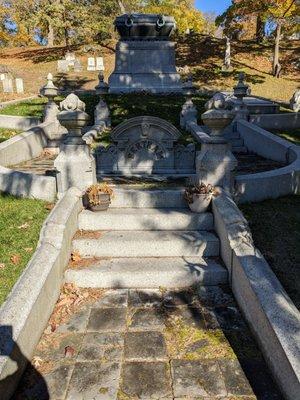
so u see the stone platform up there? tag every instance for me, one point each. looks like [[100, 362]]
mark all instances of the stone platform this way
[[151, 344], [145, 66]]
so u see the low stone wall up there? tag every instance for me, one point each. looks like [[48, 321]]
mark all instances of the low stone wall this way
[[22, 147], [277, 121], [25, 314], [270, 313], [15, 122], [270, 184], [18, 149]]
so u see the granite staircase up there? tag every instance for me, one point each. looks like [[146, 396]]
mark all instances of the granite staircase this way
[[237, 143], [146, 239]]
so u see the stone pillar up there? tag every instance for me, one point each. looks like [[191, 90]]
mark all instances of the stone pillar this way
[[75, 164], [188, 112], [240, 91], [102, 113], [52, 128], [215, 163]]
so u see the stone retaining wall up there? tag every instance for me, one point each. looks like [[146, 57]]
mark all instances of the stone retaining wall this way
[[270, 184], [15, 122], [28, 308], [20, 148], [277, 121], [270, 313]]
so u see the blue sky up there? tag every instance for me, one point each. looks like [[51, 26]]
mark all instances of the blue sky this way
[[218, 6]]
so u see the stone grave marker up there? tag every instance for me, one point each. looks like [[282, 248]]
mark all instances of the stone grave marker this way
[[91, 64], [100, 64], [8, 85], [2, 77], [62, 66], [77, 66], [19, 85], [70, 58]]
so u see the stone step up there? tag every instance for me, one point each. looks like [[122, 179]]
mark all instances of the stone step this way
[[148, 244], [232, 135], [240, 149], [154, 198], [237, 142], [168, 272], [145, 219]]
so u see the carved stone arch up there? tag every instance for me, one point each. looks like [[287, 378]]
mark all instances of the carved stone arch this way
[[152, 128]]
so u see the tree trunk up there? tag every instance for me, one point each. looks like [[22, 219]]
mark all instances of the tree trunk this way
[[276, 65], [122, 7], [260, 30], [227, 60], [67, 39], [50, 36]]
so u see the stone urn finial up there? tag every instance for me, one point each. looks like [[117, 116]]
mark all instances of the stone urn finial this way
[[241, 89], [218, 114], [50, 91], [102, 88], [73, 117]]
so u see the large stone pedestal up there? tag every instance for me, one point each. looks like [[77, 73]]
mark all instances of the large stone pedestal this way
[[144, 65]]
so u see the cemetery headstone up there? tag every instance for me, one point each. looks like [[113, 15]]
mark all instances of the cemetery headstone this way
[[91, 64], [70, 58], [62, 66], [100, 64], [2, 77], [77, 66], [19, 85], [8, 85]]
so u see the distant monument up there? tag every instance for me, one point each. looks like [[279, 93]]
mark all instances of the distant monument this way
[[145, 56]]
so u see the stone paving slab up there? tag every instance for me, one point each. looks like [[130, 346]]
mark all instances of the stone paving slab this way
[[151, 344]]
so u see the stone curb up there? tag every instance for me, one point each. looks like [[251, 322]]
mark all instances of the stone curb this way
[[16, 122], [26, 311], [269, 184], [269, 311]]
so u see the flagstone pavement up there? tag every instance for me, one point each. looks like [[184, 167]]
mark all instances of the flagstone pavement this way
[[150, 344]]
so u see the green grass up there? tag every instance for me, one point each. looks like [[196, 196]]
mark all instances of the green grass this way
[[20, 224], [275, 225], [292, 135], [29, 108], [7, 133]]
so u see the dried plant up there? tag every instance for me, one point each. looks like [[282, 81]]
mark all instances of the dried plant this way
[[93, 192], [202, 188]]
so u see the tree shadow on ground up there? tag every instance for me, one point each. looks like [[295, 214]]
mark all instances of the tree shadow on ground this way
[[9, 348], [46, 54]]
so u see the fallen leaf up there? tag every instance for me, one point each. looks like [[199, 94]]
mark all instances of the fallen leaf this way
[[15, 259], [36, 361], [49, 206], [28, 249], [2, 265], [75, 256], [24, 226], [69, 351]]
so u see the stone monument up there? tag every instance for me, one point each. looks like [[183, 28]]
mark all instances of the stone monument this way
[[75, 164], [145, 56], [295, 101]]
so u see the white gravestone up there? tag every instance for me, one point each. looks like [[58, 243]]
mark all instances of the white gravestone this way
[[2, 77], [70, 58], [91, 64], [77, 66], [8, 85], [100, 64], [19, 85], [63, 66]]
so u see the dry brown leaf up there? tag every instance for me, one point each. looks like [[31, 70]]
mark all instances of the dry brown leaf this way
[[24, 226], [49, 206], [2, 265], [75, 256], [69, 351], [36, 361], [28, 249], [15, 259]]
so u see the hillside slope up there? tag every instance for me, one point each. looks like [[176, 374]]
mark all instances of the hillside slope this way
[[202, 54]]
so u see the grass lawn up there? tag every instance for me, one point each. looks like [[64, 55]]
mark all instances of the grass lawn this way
[[20, 224], [291, 135], [275, 225], [29, 108], [8, 133]]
